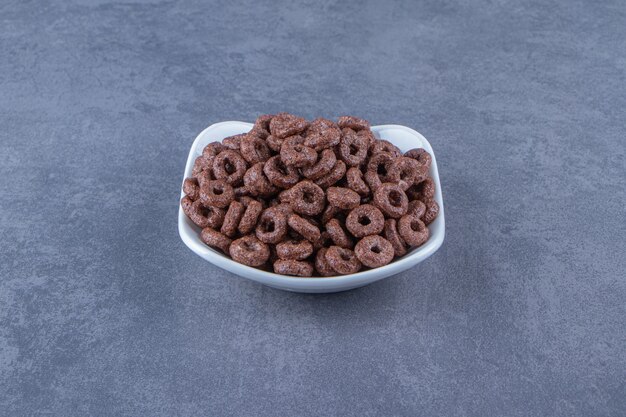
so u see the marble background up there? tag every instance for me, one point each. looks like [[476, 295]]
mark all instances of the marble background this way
[[104, 311]]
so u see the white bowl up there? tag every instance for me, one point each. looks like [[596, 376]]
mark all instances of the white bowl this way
[[401, 136]]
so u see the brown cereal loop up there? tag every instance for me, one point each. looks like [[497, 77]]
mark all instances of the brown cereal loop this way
[[421, 156], [202, 163], [294, 268], [233, 142], [365, 220], [230, 166], [391, 234], [374, 251], [261, 126], [191, 188], [294, 153], [279, 174], [391, 200], [257, 183], [381, 145], [215, 239], [305, 228], [352, 122], [202, 216], [323, 166], [321, 264], [380, 164], [424, 191], [413, 230], [305, 198], [322, 134], [285, 124], [338, 235], [250, 216], [294, 250], [216, 193], [353, 148], [354, 177], [406, 172], [254, 149], [431, 213], [343, 198], [272, 225], [274, 143], [212, 149], [342, 261], [333, 176], [250, 251], [232, 218], [417, 208]]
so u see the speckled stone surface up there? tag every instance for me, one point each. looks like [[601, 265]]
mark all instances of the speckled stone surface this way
[[104, 311]]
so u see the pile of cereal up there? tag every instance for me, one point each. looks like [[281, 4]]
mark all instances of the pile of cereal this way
[[306, 199]]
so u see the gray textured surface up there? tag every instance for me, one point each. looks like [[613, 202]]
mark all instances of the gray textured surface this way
[[104, 311]]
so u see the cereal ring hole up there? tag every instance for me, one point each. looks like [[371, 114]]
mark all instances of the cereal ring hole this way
[[364, 220], [395, 198], [268, 225]]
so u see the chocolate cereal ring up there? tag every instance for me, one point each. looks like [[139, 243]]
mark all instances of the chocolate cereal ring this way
[[215, 239], [294, 268], [365, 220], [201, 164], [257, 183], [194, 210], [274, 143], [432, 210], [279, 174], [229, 165], [254, 149], [250, 251], [353, 148], [342, 261], [391, 200], [293, 152], [305, 198], [295, 250], [322, 134], [213, 149], [352, 122], [417, 208], [232, 218], [191, 188], [321, 264], [216, 193], [233, 142], [374, 251], [253, 210], [272, 225], [413, 230], [338, 235], [385, 146], [285, 124], [421, 156], [343, 198], [406, 172], [305, 228], [354, 178], [424, 191], [323, 166], [333, 176], [261, 126], [391, 234]]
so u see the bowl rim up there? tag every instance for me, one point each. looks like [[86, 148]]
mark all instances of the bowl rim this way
[[270, 278]]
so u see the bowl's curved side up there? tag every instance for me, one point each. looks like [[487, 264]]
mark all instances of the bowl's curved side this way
[[402, 136]]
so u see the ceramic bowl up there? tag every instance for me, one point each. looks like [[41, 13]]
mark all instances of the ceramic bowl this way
[[401, 136]]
